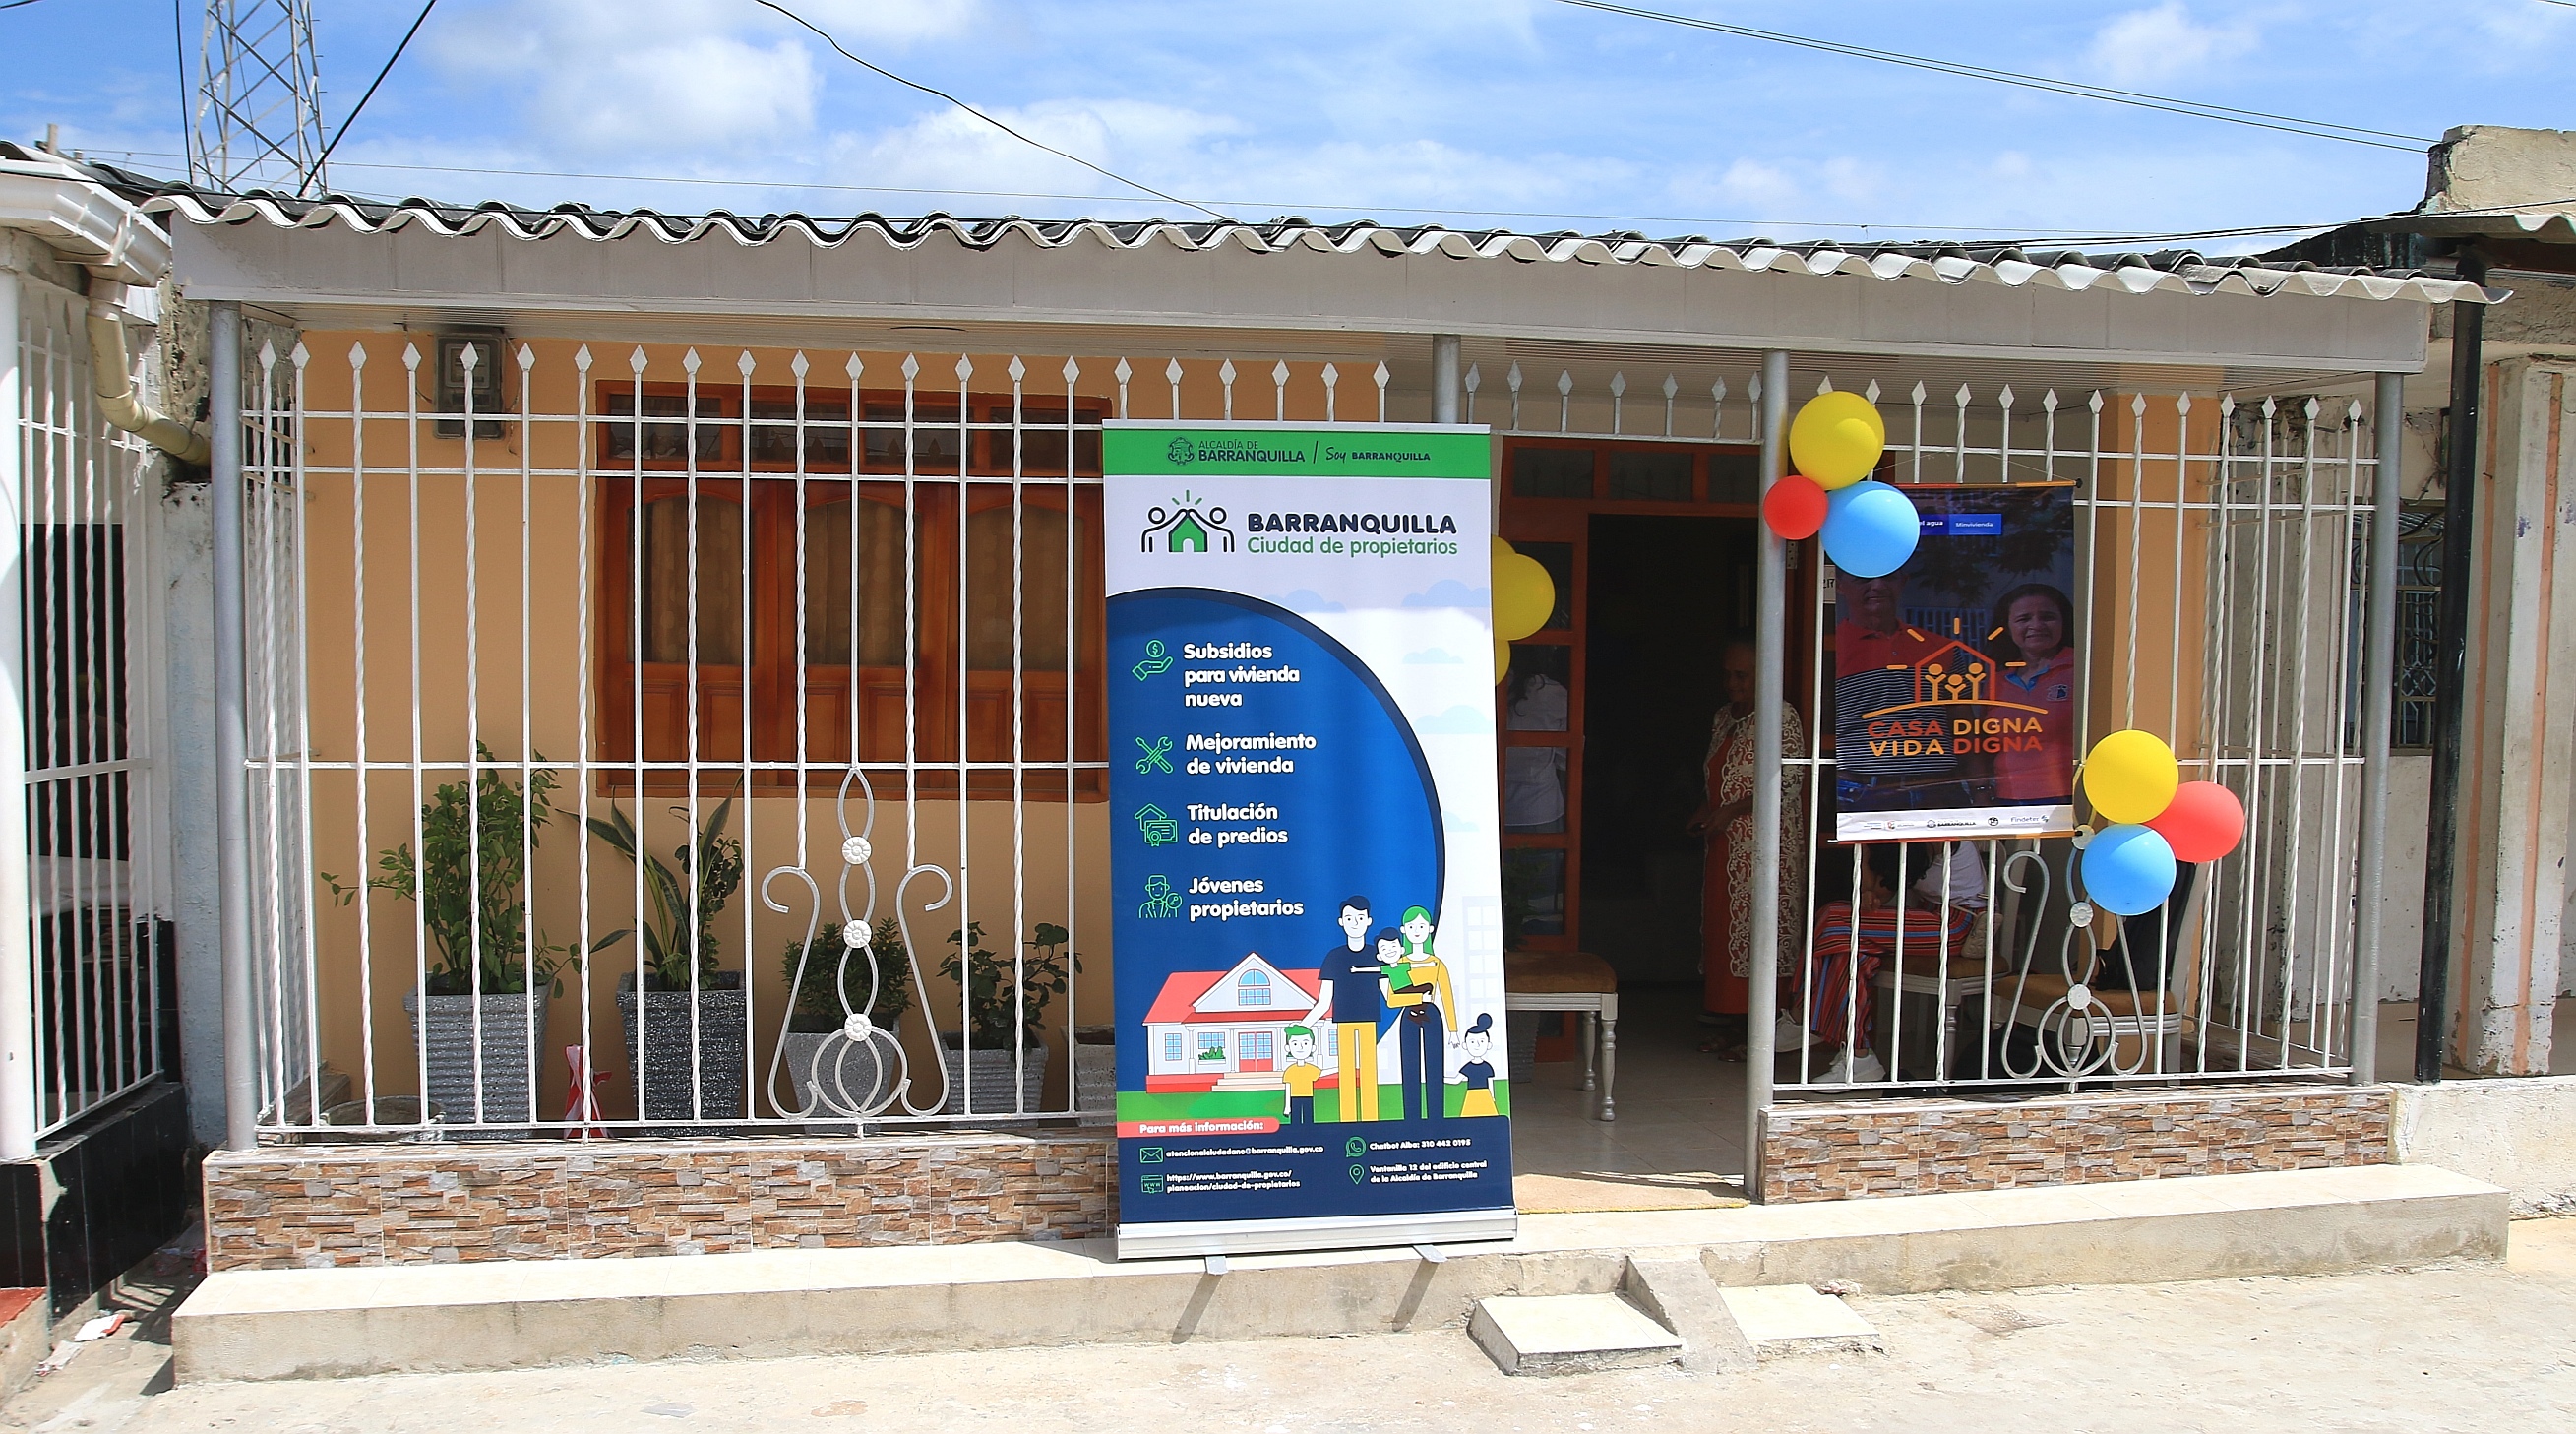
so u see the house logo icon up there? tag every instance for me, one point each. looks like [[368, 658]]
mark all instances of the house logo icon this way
[[1182, 453], [1955, 674], [1190, 525]]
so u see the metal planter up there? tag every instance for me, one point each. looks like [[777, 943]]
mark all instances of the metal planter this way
[[487, 1082], [1095, 1074], [989, 1072], [673, 1088], [856, 1078]]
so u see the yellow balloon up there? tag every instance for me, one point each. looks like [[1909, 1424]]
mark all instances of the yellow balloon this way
[[1836, 439], [1502, 658], [1524, 595], [1500, 551], [2131, 776]]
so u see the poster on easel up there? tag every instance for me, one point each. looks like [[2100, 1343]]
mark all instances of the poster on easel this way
[[1307, 891], [1956, 676]]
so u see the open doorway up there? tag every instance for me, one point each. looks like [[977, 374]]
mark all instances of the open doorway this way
[[1665, 595], [1606, 721]]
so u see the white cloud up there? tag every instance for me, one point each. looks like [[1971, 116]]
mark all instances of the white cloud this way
[[1193, 154], [2145, 46], [896, 22], [952, 147], [612, 76], [1759, 186], [1849, 179]]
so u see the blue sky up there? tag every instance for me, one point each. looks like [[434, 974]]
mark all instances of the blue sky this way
[[1545, 116]]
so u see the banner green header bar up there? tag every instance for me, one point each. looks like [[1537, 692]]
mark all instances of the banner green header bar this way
[[1352, 451]]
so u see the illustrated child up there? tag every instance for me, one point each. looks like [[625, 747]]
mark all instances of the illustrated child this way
[[1414, 977], [1352, 979], [1476, 1070], [1301, 1075]]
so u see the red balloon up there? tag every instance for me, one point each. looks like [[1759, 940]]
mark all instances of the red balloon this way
[[2203, 822], [1795, 507]]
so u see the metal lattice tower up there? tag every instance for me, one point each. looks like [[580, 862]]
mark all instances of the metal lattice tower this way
[[258, 116]]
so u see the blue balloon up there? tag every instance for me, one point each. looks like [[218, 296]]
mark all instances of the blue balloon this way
[[1870, 529], [2128, 870]]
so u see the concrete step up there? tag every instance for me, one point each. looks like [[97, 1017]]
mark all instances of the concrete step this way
[[273, 1324], [1569, 1334], [1795, 1319]]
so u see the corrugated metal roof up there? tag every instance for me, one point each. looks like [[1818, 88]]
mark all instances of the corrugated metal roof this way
[[2543, 223], [2173, 271]]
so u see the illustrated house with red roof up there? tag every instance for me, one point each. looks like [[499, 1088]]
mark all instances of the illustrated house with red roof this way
[[1228, 1030]]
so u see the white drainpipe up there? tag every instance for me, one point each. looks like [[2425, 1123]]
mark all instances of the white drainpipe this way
[[111, 373]]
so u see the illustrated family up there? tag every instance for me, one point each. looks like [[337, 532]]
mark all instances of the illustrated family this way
[[1369, 986]]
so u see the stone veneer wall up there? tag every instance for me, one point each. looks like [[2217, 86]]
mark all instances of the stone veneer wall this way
[[304, 1206], [1843, 1150]]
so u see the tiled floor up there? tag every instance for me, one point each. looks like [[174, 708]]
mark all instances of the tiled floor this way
[[1681, 1112]]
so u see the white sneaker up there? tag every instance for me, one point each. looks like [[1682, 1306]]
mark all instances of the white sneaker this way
[[1789, 1036], [1867, 1070]]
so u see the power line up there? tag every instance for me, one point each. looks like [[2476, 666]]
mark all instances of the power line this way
[[2254, 119], [388, 69], [979, 114], [16, 4], [179, 57]]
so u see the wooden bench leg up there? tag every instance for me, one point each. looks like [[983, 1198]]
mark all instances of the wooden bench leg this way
[[1609, 1019], [1587, 1036]]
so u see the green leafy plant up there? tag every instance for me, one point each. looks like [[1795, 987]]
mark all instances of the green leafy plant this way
[[1212, 1053], [995, 1001], [710, 863], [468, 880], [818, 1003]]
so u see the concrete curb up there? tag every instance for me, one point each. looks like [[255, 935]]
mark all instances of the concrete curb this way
[[284, 1324]]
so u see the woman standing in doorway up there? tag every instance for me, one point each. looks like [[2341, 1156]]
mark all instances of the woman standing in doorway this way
[[1725, 820]]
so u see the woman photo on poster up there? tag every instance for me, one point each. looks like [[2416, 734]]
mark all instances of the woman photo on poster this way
[[2039, 625]]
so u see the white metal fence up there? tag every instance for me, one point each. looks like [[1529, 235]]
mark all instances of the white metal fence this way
[[724, 724], [2217, 601], [88, 654], [2221, 561], [771, 677]]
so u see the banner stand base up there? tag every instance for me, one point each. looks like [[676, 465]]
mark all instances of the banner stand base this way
[[1176, 1239]]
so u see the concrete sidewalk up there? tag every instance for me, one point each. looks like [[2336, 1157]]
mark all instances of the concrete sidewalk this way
[[283, 1324], [2473, 1346]]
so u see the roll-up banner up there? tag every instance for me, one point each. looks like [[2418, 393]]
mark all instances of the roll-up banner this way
[[1307, 891]]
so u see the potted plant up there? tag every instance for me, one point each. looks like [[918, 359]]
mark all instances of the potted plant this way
[[482, 1015], [1005, 1016], [823, 990], [691, 1018]]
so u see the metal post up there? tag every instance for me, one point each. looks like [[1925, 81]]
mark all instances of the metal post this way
[[2451, 676], [232, 786], [2378, 695], [17, 958], [1770, 659], [1444, 378]]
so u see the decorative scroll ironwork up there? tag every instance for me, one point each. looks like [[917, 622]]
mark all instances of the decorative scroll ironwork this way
[[856, 1046]]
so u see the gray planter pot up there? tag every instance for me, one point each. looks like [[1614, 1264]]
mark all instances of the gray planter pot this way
[[667, 1082], [510, 1029], [990, 1080], [1095, 1074], [865, 1077]]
